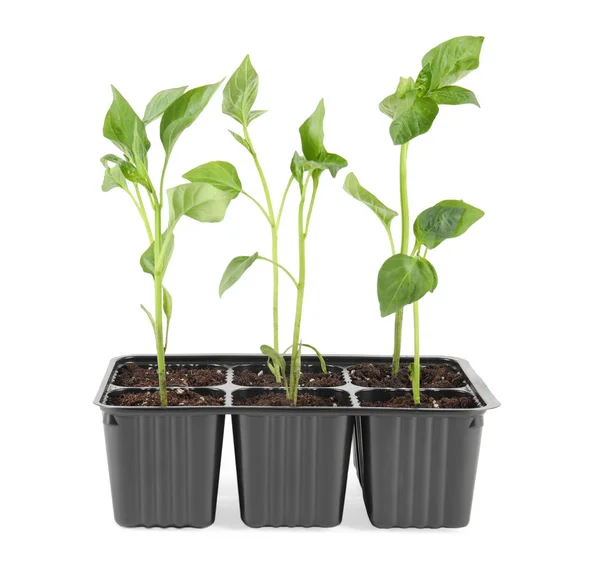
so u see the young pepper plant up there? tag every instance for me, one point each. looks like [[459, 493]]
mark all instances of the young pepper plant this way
[[405, 279], [200, 201], [413, 107], [239, 96], [306, 172]]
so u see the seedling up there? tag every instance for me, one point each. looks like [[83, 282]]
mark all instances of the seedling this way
[[200, 201], [239, 96], [306, 172], [405, 278]]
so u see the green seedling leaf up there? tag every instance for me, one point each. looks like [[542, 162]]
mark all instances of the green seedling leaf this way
[[150, 317], [241, 140], [390, 104], [254, 114], [297, 167], [240, 93], [453, 60], [277, 361], [447, 219], [198, 200], [147, 258], [114, 178], [124, 128], [414, 117], [319, 356], [182, 113], [160, 102], [453, 95], [168, 310], [127, 168], [353, 187], [221, 175], [402, 280], [235, 271], [312, 136], [423, 82]]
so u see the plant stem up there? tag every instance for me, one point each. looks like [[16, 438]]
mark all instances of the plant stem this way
[[274, 240], [259, 206], [285, 193], [281, 267], [292, 391], [158, 307], [162, 180], [403, 250], [142, 211], [416, 373]]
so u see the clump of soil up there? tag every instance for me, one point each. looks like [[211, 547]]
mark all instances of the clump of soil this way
[[178, 397], [134, 376], [406, 401], [265, 379], [432, 376], [304, 400]]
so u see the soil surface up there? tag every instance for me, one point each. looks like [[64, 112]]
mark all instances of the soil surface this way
[[266, 379], [406, 401], [178, 397], [132, 375], [277, 399], [432, 376]]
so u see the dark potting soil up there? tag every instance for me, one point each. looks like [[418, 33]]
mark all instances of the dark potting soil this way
[[134, 376], [321, 379], [266, 379], [178, 397], [406, 401], [380, 376], [276, 399]]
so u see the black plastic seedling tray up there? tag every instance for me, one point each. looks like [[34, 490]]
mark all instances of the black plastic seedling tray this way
[[416, 466], [474, 386]]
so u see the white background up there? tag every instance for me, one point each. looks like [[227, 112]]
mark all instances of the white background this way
[[517, 294]]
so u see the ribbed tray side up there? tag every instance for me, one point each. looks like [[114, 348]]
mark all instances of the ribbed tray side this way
[[292, 470], [164, 467], [419, 471]]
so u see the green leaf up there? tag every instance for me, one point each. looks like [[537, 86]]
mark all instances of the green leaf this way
[[254, 114], [453, 60], [114, 178], [168, 310], [167, 304], [453, 95], [182, 113], [197, 200], [235, 271], [240, 93], [297, 167], [147, 258], [423, 82], [353, 187], [241, 140], [160, 102], [124, 128], [278, 361], [313, 148], [447, 219], [319, 356], [414, 117], [390, 104], [402, 280], [127, 168], [150, 317], [221, 175]]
